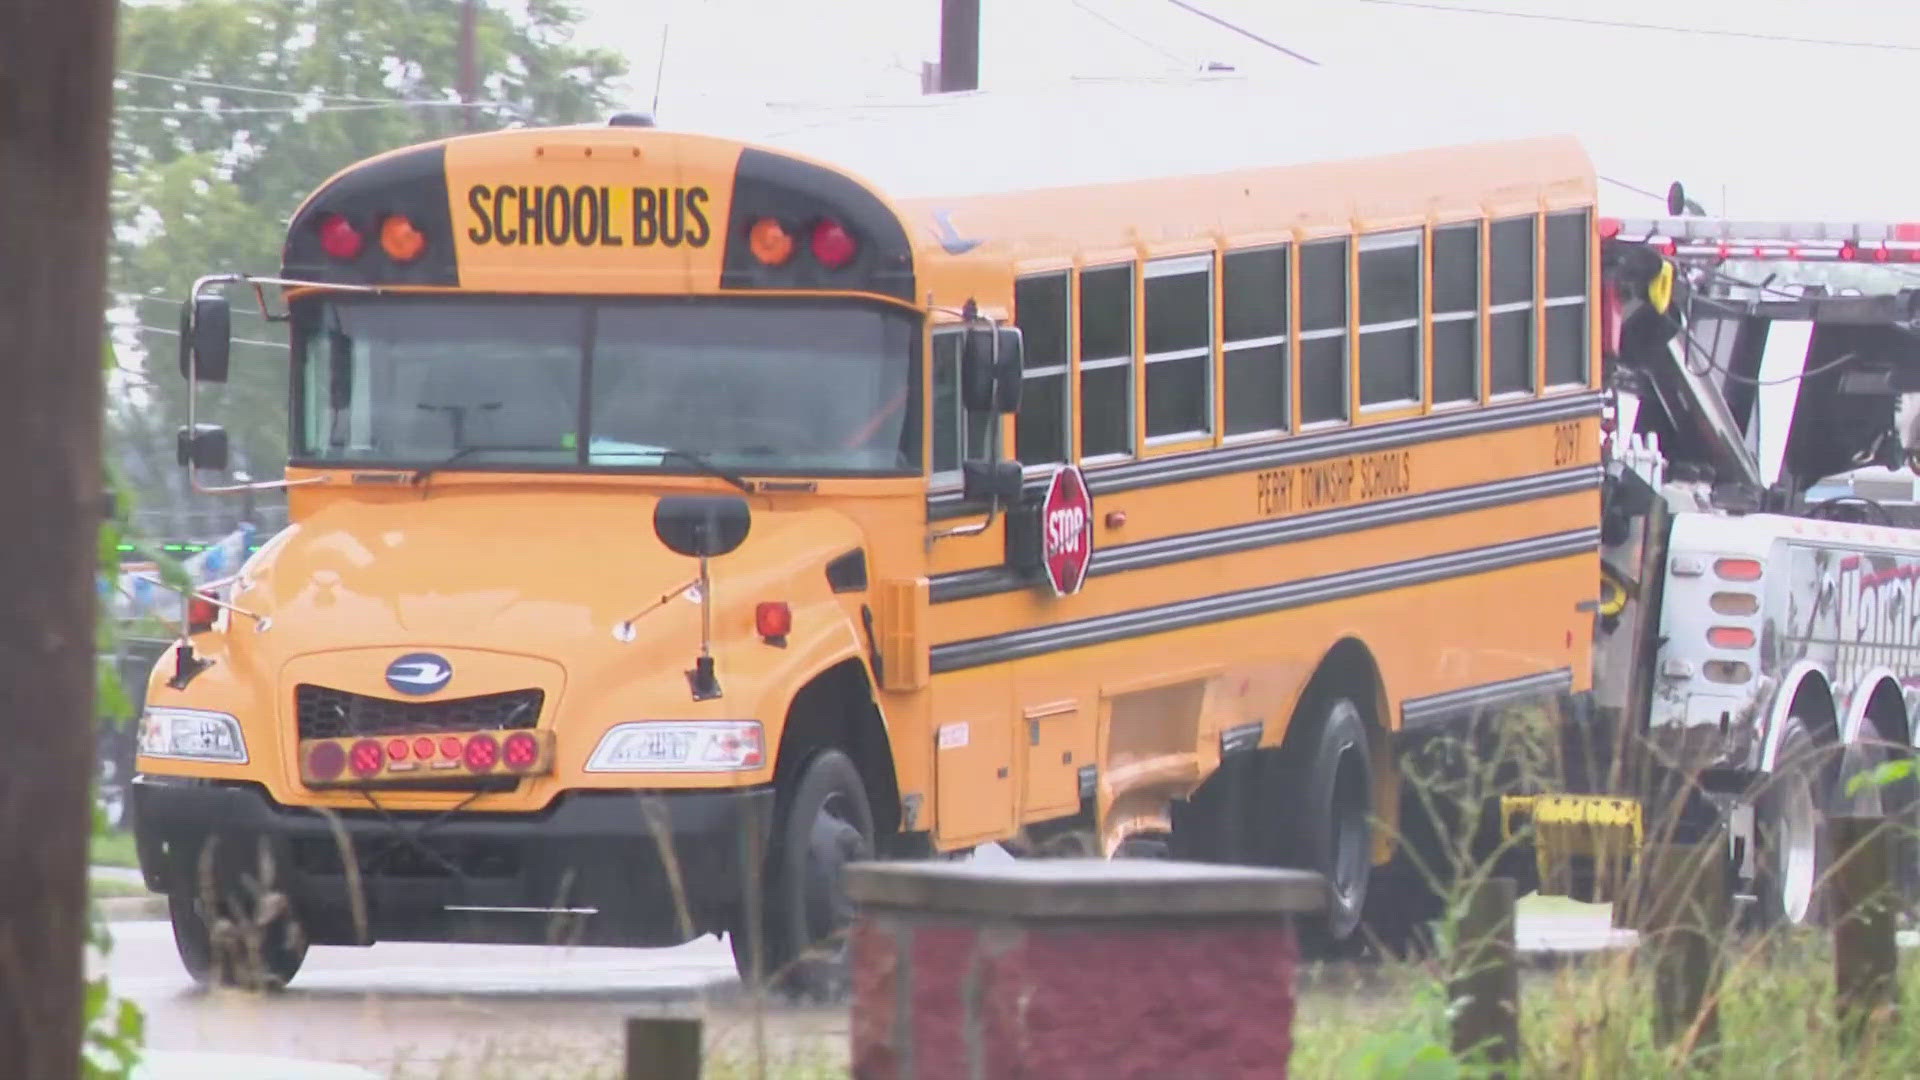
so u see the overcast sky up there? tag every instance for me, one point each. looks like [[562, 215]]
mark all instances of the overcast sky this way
[[1754, 127]]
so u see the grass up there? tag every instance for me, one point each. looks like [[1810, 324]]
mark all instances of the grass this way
[[106, 889], [114, 849], [1593, 1019]]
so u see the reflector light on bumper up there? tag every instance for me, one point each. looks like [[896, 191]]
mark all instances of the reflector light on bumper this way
[[690, 746], [358, 760], [192, 735]]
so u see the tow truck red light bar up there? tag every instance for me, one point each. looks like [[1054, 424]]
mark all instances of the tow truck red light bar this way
[[1802, 241], [357, 760]]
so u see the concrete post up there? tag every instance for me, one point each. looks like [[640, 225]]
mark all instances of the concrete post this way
[[1065, 968]]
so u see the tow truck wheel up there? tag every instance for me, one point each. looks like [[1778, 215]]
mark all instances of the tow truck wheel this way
[[821, 825], [1791, 853], [281, 950]]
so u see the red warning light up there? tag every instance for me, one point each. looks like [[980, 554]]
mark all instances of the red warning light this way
[[482, 753], [366, 758], [520, 751]]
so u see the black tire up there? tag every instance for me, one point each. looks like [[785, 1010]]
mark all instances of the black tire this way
[[821, 823], [1791, 855], [282, 950], [1325, 794]]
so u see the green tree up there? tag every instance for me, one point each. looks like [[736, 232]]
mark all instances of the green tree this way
[[231, 111]]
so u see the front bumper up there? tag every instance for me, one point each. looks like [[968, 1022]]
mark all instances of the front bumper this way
[[594, 868]]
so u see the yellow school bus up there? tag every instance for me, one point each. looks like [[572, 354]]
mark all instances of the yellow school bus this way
[[676, 519]]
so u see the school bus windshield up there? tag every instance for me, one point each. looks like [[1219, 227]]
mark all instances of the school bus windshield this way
[[761, 386]]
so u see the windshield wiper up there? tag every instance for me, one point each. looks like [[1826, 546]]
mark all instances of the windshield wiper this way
[[420, 474], [705, 466]]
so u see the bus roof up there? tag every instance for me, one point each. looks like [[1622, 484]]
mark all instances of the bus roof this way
[[1109, 164]]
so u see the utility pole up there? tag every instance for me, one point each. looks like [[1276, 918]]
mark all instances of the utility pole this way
[[959, 45], [56, 99], [469, 63]]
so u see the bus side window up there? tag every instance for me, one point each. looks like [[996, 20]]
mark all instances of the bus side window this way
[[1456, 314], [1106, 362], [1511, 247], [1390, 338], [1179, 352], [956, 436], [1041, 309], [1323, 332], [1566, 299], [1255, 331]]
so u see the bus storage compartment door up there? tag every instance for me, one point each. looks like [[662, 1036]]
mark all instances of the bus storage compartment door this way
[[973, 757], [1577, 839]]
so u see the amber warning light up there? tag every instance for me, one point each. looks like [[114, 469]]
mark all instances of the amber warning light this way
[[400, 240], [371, 759]]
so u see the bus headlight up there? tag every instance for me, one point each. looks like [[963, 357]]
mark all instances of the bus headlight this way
[[692, 746], [192, 735]]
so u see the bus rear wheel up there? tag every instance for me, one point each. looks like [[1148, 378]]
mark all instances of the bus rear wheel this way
[[1325, 795], [823, 823]]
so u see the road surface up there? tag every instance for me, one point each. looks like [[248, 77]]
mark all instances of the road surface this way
[[522, 1011]]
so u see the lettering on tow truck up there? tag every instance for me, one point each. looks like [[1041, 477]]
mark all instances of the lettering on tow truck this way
[[519, 215]]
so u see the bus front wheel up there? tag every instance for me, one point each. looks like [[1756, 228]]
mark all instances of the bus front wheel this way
[[250, 958], [821, 824]]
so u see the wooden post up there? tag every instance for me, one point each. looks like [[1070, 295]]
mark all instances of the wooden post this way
[[1865, 962], [56, 97], [663, 1048], [1486, 979], [1686, 914]]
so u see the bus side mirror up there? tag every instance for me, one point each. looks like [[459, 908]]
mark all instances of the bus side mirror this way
[[992, 481], [204, 446], [1009, 364], [206, 332], [990, 368], [702, 526], [977, 371]]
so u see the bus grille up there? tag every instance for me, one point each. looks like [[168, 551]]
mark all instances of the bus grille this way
[[330, 714]]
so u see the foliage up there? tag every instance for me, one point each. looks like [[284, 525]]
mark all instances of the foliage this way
[[114, 1029], [207, 175]]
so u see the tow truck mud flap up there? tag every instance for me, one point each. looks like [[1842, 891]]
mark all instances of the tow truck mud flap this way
[[1583, 845]]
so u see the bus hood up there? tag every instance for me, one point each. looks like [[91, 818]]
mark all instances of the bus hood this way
[[511, 571]]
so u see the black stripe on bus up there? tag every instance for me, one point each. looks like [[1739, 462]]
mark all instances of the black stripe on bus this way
[[1436, 709], [1201, 464], [1146, 554], [1164, 618]]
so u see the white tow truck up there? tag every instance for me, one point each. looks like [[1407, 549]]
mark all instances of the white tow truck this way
[[1758, 626]]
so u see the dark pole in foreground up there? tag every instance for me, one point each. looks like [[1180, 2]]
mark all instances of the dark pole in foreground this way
[[959, 45], [1686, 913], [56, 96], [1865, 962], [663, 1048], [1486, 984], [469, 64]]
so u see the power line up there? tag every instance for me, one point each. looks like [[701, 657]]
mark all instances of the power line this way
[[1635, 189], [274, 110], [302, 95], [1148, 42], [1624, 24], [1244, 32], [236, 341], [144, 298]]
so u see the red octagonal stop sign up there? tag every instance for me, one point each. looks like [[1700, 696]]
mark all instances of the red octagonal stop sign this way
[[1066, 530]]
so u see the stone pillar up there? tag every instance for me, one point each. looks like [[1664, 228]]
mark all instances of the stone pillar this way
[[1061, 968]]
